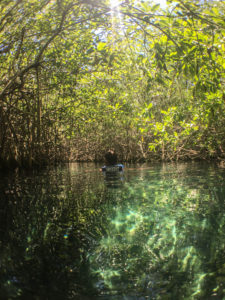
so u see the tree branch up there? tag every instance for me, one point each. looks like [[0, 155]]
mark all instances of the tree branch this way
[[154, 25], [8, 14]]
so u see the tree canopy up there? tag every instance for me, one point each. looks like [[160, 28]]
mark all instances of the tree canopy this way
[[79, 77]]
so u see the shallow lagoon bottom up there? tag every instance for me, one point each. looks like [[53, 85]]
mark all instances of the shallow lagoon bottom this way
[[152, 232]]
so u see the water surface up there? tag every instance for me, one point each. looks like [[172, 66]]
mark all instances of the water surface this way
[[154, 232]]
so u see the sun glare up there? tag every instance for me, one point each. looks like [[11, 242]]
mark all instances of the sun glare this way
[[114, 3], [162, 3], [116, 17]]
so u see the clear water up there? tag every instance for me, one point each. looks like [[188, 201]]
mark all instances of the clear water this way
[[154, 232]]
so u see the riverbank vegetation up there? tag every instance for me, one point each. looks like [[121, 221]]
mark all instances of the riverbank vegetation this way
[[79, 77]]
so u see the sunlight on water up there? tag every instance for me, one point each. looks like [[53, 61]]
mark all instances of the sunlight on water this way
[[159, 230], [159, 235]]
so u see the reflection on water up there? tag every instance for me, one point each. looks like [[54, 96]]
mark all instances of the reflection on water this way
[[114, 179], [68, 233]]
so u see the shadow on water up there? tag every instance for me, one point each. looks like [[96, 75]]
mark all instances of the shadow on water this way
[[154, 232]]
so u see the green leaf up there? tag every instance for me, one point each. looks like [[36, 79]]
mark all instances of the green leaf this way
[[101, 46]]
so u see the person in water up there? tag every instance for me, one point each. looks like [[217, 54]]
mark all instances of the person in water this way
[[111, 162]]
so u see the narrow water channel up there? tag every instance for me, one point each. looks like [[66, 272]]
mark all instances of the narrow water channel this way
[[152, 232]]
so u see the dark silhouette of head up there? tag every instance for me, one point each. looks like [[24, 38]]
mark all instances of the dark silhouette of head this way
[[111, 157]]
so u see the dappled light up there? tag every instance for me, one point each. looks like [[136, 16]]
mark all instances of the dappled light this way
[[160, 234], [112, 149], [80, 77], [158, 242]]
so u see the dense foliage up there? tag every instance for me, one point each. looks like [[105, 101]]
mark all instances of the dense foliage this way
[[78, 77]]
